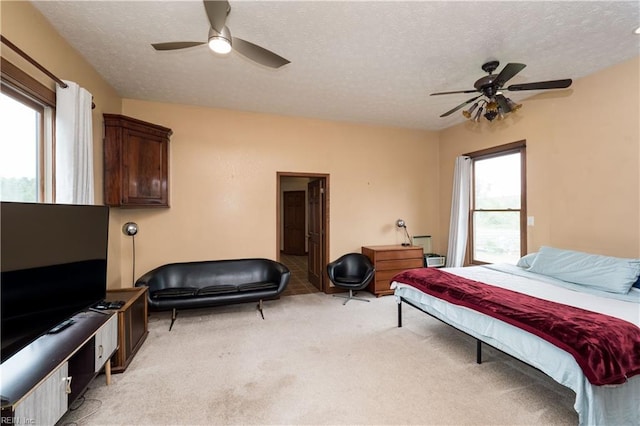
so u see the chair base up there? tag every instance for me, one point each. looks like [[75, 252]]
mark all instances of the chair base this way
[[350, 296]]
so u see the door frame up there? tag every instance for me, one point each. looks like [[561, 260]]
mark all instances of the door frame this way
[[326, 288]]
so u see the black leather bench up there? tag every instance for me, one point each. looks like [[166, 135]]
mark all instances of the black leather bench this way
[[213, 283]]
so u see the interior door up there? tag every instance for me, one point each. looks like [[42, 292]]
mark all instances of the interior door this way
[[294, 223], [315, 192]]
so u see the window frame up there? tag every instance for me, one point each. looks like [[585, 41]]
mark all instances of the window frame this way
[[23, 88], [498, 151]]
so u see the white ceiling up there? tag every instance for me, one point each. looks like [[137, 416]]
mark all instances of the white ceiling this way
[[359, 61]]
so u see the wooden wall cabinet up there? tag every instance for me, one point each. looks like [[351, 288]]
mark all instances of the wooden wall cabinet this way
[[389, 261], [136, 163]]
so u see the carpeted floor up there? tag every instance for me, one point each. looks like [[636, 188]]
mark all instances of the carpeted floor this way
[[314, 361]]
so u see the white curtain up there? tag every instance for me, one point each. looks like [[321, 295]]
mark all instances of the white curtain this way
[[459, 224], [74, 145]]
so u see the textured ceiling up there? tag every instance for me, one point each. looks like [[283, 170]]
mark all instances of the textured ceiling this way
[[360, 61]]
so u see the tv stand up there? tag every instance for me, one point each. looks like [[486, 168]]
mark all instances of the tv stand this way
[[42, 380]]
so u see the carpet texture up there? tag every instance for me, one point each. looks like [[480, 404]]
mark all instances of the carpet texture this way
[[314, 361]]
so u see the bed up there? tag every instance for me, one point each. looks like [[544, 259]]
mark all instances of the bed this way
[[607, 384]]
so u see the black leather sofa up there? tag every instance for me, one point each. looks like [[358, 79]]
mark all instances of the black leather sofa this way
[[213, 283]]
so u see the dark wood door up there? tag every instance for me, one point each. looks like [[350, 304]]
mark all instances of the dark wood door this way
[[294, 223], [315, 191]]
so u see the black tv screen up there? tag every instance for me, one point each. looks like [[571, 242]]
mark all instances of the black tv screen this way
[[53, 265]]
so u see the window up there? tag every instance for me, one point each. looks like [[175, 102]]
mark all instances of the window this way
[[20, 153], [26, 147], [498, 205]]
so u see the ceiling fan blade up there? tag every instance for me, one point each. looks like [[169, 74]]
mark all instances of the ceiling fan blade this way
[[459, 106], [541, 85], [507, 73], [457, 91], [502, 102], [217, 12], [257, 53], [175, 45]]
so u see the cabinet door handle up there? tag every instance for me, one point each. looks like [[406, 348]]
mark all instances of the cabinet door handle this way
[[67, 384], [100, 351]]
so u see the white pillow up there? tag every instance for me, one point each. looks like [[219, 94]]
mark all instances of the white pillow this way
[[526, 260], [606, 273]]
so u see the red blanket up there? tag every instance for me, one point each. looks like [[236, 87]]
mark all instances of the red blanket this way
[[606, 348]]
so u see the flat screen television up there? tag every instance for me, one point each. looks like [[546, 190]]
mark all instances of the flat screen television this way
[[53, 262]]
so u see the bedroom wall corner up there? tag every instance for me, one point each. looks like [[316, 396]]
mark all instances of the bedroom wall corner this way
[[583, 162], [223, 175], [23, 25]]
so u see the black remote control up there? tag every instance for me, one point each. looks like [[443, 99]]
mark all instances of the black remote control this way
[[102, 305], [64, 324]]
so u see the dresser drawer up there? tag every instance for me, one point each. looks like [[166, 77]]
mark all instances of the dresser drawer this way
[[387, 275], [387, 265], [407, 253]]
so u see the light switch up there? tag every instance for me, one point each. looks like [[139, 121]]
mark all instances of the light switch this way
[[530, 221]]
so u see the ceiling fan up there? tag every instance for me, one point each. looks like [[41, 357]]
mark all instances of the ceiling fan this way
[[220, 40], [491, 88]]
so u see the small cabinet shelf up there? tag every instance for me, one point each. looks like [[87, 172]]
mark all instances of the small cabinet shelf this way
[[389, 261], [136, 163], [47, 403], [132, 324], [106, 344]]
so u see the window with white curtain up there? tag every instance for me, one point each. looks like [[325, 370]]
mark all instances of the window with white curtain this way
[[497, 220]]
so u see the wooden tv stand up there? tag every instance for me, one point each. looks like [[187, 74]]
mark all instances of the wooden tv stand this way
[[43, 379], [132, 324]]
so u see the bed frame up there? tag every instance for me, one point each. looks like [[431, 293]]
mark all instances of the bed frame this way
[[478, 341]]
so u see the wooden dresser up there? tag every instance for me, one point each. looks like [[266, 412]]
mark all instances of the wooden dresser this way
[[390, 260]]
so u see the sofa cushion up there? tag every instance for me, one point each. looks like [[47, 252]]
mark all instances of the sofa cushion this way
[[217, 289], [257, 286], [174, 292]]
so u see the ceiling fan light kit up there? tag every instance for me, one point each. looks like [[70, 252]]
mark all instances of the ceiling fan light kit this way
[[476, 118], [491, 100], [220, 42]]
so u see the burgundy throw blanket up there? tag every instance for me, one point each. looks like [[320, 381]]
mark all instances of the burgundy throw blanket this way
[[606, 348]]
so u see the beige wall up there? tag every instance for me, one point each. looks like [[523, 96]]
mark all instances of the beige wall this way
[[24, 26], [583, 162], [223, 167]]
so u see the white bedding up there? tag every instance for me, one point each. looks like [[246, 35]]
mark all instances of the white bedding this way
[[595, 405]]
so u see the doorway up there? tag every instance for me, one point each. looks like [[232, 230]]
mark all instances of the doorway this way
[[302, 212], [294, 223]]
